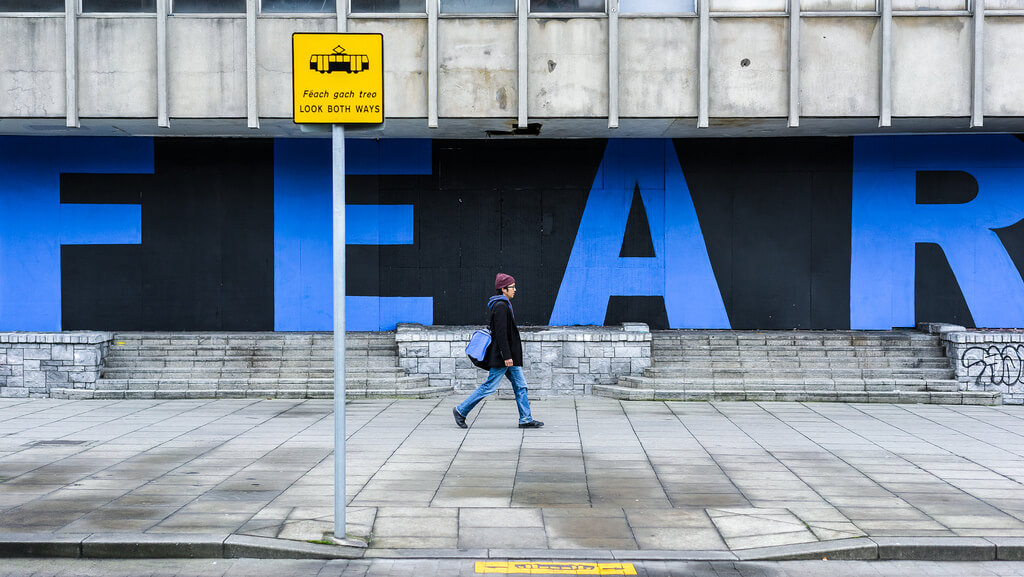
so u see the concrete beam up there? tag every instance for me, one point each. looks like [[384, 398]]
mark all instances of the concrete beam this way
[[704, 73], [613, 63], [432, 71], [251, 105], [523, 49], [794, 63], [978, 71], [162, 116], [71, 63], [885, 85]]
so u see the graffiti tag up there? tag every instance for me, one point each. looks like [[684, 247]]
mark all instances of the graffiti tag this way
[[995, 365]]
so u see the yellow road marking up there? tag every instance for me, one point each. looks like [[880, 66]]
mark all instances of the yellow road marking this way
[[555, 568]]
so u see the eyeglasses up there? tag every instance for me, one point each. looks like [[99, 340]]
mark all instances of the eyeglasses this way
[[511, 286]]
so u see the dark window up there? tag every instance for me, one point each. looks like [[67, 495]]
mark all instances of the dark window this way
[[566, 5], [748, 5], [31, 5], [290, 6], [118, 5], [827, 5], [388, 6], [657, 6], [929, 5], [478, 6], [208, 6]]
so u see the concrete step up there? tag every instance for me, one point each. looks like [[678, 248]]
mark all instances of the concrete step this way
[[270, 337], [308, 393], [799, 373], [229, 366], [361, 363], [263, 350], [787, 339], [247, 374], [350, 368], [257, 383], [874, 384], [856, 337], [785, 344], [272, 352], [219, 336], [661, 351], [801, 362], [697, 394]]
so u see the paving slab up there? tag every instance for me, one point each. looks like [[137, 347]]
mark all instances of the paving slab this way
[[773, 480]]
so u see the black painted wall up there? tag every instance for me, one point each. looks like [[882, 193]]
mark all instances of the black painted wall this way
[[775, 214], [207, 254]]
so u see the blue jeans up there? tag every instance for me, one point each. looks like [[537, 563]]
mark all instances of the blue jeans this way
[[515, 375]]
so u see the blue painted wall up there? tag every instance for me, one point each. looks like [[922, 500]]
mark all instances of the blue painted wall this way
[[303, 273], [679, 271], [34, 224], [888, 223], [559, 224]]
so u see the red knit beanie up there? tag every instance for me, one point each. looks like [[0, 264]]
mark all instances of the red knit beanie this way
[[503, 280]]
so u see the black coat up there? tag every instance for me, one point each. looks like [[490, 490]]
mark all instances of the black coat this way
[[505, 342]]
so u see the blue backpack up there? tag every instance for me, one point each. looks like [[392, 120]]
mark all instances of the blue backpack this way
[[476, 350]]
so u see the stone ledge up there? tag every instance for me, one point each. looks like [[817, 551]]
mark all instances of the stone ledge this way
[[628, 332], [982, 337], [940, 328], [558, 360], [984, 359], [63, 338]]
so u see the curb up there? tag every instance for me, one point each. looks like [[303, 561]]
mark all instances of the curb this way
[[166, 546], [229, 546]]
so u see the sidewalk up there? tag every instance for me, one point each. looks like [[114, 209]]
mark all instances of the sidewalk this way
[[602, 480]]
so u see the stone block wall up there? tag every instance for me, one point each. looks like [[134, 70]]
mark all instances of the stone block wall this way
[[32, 364], [985, 360], [558, 360]]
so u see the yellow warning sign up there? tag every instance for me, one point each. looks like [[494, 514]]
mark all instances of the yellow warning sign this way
[[554, 568], [337, 78]]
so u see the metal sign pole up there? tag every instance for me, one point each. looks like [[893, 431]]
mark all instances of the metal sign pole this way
[[329, 99], [338, 157], [338, 188]]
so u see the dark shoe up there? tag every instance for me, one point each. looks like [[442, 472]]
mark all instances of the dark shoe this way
[[531, 425], [459, 419]]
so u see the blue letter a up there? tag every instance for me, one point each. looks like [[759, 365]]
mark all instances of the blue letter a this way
[[680, 270]]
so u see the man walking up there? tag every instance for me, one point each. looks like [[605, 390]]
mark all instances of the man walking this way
[[505, 356]]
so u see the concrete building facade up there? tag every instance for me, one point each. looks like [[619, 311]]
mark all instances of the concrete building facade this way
[[754, 164]]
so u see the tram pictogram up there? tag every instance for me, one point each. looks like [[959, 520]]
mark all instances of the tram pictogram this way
[[338, 61]]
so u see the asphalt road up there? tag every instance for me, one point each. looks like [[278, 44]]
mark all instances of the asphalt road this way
[[453, 568]]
